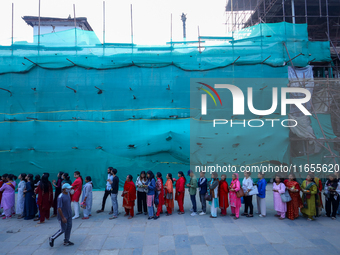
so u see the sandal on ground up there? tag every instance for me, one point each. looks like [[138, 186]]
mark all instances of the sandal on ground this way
[[85, 218], [233, 214], [250, 215], [113, 217], [36, 219], [235, 218], [99, 211], [244, 214], [181, 213], [126, 215], [333, 218], [130, 217], [40, 222], [138, 213], [212, 217], [276, 215], [281, 218]]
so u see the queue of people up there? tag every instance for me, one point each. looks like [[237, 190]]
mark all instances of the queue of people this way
[[35, 195]]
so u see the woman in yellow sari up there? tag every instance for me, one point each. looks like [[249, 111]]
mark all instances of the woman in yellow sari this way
[[310, 198]]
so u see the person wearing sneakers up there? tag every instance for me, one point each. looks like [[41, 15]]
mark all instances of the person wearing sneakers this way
[[107, 190], [114, 193], [87, 198], [203, 188], [192, 191], [64, 216]]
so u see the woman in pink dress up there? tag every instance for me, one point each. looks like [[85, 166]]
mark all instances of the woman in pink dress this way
[[234, 201], [8, 196], [278, 189]]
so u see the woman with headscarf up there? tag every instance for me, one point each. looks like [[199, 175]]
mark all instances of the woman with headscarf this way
[[169, 197], [223, 191], [45, 198], [129, 197], [180, 190], [76, 188], [8, 196], [234, 201], [310, 198], [213, 187], [295, 204], [331, 196], [150, 198], [160, 195], [30, 207]]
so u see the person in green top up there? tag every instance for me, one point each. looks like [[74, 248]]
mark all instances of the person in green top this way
[[192, 191], [310, 198]]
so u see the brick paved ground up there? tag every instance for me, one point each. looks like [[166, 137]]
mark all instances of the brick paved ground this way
[[176, 234]]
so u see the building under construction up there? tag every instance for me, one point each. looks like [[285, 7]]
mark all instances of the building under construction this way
[[69, 102], [321, 16]]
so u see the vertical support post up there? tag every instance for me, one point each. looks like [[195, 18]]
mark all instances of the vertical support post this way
[[39, 25], [75, 24], [327, 21], [232, 15], [320, 8], [131, 24], [306, 11], [199, 39], [251, 15], [171, 30], [103, 22], [12, 23], [293, 12], [283, 10], [264, 10]]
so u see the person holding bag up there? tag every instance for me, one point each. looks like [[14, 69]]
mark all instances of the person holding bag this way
[[169, 194], [234, 199], [279, 206], [141, 193], [247, 186]]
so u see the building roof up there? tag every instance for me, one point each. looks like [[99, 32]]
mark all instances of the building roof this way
[[49, 21]]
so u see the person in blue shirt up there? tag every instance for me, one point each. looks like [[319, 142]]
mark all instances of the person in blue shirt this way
[[261, 197], [151, 183], [202, 185]]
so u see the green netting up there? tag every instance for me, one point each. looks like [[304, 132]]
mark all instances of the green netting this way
[[92, 106], [250, 46]]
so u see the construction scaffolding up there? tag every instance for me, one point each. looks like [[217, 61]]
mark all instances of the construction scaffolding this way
[[322, 19]]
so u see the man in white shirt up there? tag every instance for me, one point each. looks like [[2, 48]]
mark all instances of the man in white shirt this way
[[107, 190]]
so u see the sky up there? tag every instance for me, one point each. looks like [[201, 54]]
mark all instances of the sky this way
[[151, 18]]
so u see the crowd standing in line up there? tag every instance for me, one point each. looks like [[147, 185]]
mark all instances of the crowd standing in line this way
[[35, 196]]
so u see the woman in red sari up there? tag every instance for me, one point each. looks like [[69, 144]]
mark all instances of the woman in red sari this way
[[129, 197], [295, 204], [169, 194], [77, 186], [160, 194], [180, 190], [45, 198], [223, 191]]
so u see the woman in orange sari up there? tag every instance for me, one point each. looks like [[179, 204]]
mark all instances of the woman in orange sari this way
[[169, 194], [129, 196], [294, 191]]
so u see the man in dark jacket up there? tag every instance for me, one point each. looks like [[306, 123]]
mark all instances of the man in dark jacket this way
[[202, 185]]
